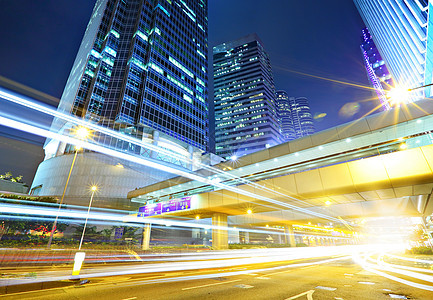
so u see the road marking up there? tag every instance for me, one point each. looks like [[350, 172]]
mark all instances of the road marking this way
[[308, 293], [397, 296], [366, 282], [262, 277], [347, 274], [325, 288], [244, 286], [211, 284], [130, 298]]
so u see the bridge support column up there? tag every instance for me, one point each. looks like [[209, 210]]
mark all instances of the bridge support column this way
[[289, 236], [147, 228], [244, 237], [219, 236]]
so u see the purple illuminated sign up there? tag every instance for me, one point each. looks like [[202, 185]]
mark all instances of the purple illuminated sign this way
[[169, 206], [164, 207], [150, 210]]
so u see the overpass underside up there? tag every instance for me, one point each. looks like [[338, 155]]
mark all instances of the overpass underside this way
[[377, 166]]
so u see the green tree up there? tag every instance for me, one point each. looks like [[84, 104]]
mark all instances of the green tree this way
[[106, 233]]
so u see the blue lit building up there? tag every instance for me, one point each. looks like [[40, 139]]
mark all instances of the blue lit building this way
[[287, 129], [377, 72], [246, 120], [142, 70], [400, 32], [301, 116]]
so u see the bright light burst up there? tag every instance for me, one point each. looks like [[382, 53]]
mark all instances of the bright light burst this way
[[398, 95]]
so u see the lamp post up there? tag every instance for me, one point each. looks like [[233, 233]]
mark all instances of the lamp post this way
[[82, 133], [94, 189], [80, 256]]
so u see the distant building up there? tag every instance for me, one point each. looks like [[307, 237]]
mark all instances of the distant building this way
[[285, 118], [141, 70], [245, 114], [301, 116], [377, 72], [400, 32]]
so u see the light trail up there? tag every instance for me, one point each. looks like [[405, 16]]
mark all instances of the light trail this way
[[78, 121], [126, 220], [409, 259], [212, 260], [379, 267], [141, 161]]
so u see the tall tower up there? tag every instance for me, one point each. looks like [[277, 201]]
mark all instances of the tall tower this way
[[287, 129], [377, 72], [399, 30], [142, 70], [245, 113], [301, 116]]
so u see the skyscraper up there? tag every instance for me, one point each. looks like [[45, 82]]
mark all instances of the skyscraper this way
[[244, 94], [399, 30], [142, 70], [377, 72], [287, 129], [301, 116]]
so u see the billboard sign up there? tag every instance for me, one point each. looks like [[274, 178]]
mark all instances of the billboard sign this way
[[164, 207]]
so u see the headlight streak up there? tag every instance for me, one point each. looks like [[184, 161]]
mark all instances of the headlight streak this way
[[410, 259], [100, 216], [212, 262], [44, 109], [129, 157], [378, 267]]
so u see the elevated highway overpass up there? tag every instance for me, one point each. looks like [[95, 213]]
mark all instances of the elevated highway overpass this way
[[375, 166]]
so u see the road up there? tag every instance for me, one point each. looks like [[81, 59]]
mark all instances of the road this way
[[330, 278]]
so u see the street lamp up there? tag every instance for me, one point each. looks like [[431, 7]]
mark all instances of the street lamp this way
[[80, 256], [399, 94], [94, 189], [82, 133]]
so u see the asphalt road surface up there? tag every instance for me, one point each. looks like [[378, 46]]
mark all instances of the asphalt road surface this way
[[337, 279]]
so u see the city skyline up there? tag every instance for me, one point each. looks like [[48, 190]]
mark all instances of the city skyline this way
[[296, 57], [48, 68]]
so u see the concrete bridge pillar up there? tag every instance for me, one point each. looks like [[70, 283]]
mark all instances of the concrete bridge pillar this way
[[289, 236], [244, 237], [147, 228], [220, 238]]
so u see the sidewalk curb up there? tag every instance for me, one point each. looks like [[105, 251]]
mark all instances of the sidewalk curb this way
[[30, 287]]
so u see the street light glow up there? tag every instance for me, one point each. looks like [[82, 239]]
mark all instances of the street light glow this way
[[82, 132], [403, 146], [94, 188], [398, 95]]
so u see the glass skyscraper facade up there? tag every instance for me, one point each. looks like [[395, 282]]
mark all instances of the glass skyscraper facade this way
[[146, 69], [400, 32], [287, 130], [377, 72], [142, 70], [245, 114], [301, 116]]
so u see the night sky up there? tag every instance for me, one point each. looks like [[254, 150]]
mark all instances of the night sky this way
[[41, 38]]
